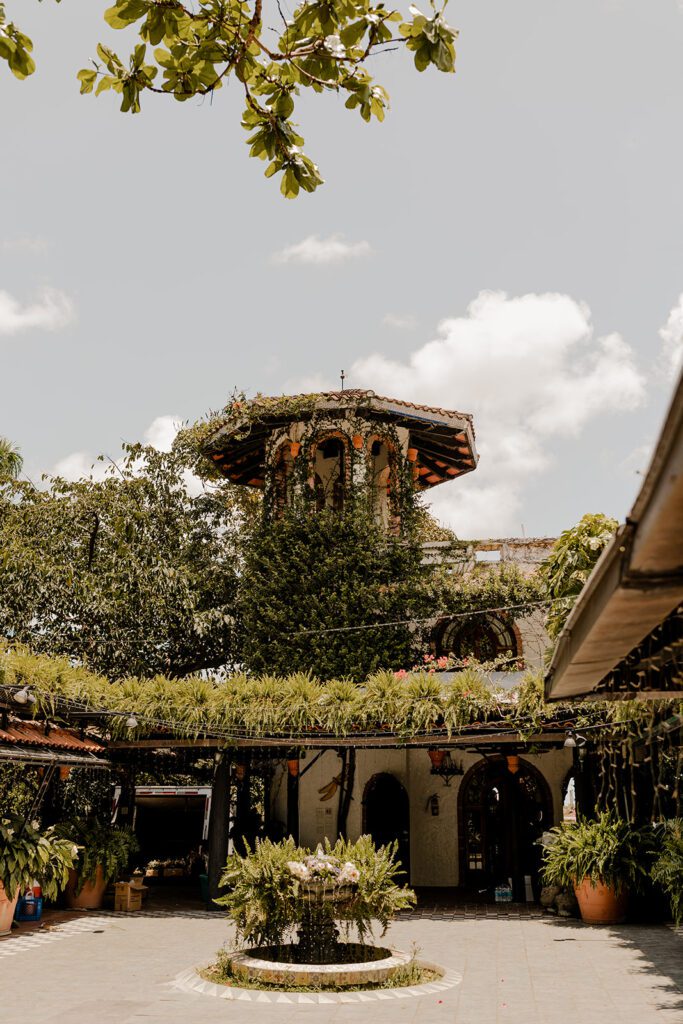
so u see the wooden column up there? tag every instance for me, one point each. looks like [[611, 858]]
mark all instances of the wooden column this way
[[293, 806], [219, 824]]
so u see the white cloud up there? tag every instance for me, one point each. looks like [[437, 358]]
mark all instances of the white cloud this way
[[401, 321], [672, 336], [160, 434], [80, 465], [53, 310], [319, 251], [528, 369], [162, 431]]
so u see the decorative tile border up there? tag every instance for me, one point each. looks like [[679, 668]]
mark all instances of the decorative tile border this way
[[13, 944], [190, 982]]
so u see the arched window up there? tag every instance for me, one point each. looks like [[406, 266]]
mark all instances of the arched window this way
[[329, 474], [486, 638], [381, 472], [282, 477]]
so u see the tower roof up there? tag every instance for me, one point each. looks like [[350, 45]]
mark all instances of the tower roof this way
[[443, 438]]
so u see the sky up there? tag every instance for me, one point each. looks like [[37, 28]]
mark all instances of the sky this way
[[509, 243]]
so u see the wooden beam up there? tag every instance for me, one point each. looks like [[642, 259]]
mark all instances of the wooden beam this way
[[390, 741]]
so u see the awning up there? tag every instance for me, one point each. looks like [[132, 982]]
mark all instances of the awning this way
[[633, 592]]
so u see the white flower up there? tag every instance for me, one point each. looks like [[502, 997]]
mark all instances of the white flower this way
[[349, 873], [299, 870]]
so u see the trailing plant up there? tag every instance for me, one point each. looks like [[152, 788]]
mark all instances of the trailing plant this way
[[667, 868], [27, 853], [100, 846], [609, 850], [266, 895]]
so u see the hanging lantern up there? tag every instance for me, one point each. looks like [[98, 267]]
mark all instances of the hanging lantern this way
[[512, 763], [436, 757], [293, 766]]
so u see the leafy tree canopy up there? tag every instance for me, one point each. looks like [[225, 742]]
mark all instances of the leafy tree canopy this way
[[133, 574], [569, 564], [11, 462], [190, 49]]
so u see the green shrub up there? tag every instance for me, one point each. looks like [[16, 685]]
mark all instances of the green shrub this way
[[27, 854], [667, 869], [102, 845], [609, 850], [265, 898]]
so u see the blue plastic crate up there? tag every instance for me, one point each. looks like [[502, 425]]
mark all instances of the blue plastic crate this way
[[20, 913]]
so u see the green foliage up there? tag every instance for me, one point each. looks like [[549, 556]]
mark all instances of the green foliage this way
[[131, 574], [667, 869], [100, 846], [569, 564], [296, 705], [11, 461], [188, 50], [307, 577], [608, 850], [27, 854], [265, 899], [18, 787]]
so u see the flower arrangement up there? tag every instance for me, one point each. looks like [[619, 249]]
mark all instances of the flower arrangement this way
[[323, 867]]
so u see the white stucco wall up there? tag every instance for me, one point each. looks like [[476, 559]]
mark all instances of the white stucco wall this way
[[433, 839]]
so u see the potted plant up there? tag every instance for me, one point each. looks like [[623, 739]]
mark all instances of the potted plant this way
[[600, 860], [667, 868], [104, 851], [27, 854]]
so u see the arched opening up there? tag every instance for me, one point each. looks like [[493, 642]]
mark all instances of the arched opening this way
[[283, 477], [386, 816], [489, 639], [502, 815], [381, 472], [329, 474]]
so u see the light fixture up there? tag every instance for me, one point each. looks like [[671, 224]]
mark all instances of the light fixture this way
[[512, 763], [131, 722], [574, 739], [444, 767], [24, 696]]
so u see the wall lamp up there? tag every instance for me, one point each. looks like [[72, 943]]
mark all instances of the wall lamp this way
[[24, 696]]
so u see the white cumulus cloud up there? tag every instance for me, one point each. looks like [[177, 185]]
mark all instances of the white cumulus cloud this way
[[672, 336], [52, 310], [78, 465], [529, 369], [320, 251], [162, 431]]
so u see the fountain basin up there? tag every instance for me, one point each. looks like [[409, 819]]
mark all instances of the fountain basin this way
[[371, 965]]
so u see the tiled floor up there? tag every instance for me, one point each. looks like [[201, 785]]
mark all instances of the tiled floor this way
[[105, 968]]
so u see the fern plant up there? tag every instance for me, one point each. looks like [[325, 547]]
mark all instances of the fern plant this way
[[667, 869], [608, 851], [266, 898], [100, 846]]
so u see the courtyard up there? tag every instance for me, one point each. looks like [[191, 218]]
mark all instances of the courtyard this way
[[515, 968]]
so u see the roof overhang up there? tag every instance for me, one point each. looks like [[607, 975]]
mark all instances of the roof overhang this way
[[443, 439], [635, 586]]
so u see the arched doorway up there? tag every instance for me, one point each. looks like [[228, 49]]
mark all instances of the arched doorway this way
[[386, 816], [501, 816]]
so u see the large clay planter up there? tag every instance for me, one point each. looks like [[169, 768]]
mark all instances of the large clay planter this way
[[601, 904], [91, 895], [7, 908]]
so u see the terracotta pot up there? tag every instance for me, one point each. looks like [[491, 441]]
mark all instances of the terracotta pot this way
[[412, 454], [91, 895], [601, 904], [295, 448], [357, 441], [293, 766], [7, 908], [436, 757]]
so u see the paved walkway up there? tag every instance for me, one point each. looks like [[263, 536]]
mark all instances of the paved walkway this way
[[105, 968]]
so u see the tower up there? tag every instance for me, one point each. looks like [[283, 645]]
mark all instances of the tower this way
[[317, 449]]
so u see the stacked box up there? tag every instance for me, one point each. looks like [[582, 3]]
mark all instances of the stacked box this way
[[127, 897]]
